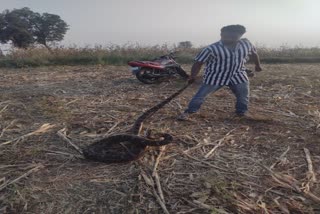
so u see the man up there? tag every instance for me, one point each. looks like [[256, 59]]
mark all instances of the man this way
[[224, 61]]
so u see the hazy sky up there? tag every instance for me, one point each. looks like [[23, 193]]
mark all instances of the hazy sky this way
[[148, 22]]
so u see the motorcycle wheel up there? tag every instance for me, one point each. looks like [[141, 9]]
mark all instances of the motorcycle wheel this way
[[147, 76]]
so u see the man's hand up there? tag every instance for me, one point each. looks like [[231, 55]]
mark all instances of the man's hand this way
[[258, 68], [249, 73], [191, 80], [196, 67], [256, 60]]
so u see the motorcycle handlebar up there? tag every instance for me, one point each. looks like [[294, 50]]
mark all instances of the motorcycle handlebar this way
[[170, 55]]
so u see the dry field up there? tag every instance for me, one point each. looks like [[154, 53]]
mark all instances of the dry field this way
[[269, 163]]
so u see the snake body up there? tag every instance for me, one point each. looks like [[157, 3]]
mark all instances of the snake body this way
[[129, 146]]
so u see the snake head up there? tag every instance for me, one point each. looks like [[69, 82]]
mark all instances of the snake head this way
[[148, 133], [160, 140]]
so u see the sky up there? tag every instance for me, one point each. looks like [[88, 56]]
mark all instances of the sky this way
[[270, 23]]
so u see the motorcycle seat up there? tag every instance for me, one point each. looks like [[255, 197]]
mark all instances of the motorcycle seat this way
[[147, 63]]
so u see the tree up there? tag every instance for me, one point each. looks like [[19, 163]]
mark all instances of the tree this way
[[24, 27], [16, 26], [185, 45], [49, 28]]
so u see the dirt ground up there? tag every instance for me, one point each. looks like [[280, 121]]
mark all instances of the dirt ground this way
[[266, 163]]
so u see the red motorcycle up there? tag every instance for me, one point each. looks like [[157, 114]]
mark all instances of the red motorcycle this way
[[157, 70]]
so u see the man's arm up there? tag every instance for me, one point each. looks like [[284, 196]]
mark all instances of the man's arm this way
[[256, 60], [196, 67]]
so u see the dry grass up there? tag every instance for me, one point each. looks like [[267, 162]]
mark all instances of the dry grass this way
[[109, 55], [217, 164], [120, 55]]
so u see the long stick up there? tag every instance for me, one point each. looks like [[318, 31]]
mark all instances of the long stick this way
[[3, 186], [158, 160], [111, 129], [150, 182], [310, 166], [44, 128], [280, 158], [64, 137], [219, 144]]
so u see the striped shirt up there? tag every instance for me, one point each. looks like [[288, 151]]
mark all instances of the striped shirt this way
[[225, 66]]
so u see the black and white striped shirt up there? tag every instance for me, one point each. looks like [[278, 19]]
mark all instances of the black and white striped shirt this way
[[225, 66]]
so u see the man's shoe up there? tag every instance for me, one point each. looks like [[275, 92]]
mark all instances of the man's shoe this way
[[241, 116], [184, 116]]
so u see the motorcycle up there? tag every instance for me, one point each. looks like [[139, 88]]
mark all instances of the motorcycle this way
[[157, 70]]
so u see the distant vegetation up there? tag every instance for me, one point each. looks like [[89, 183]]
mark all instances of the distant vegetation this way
[[33, 38], [120, 55], [23, 28]]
